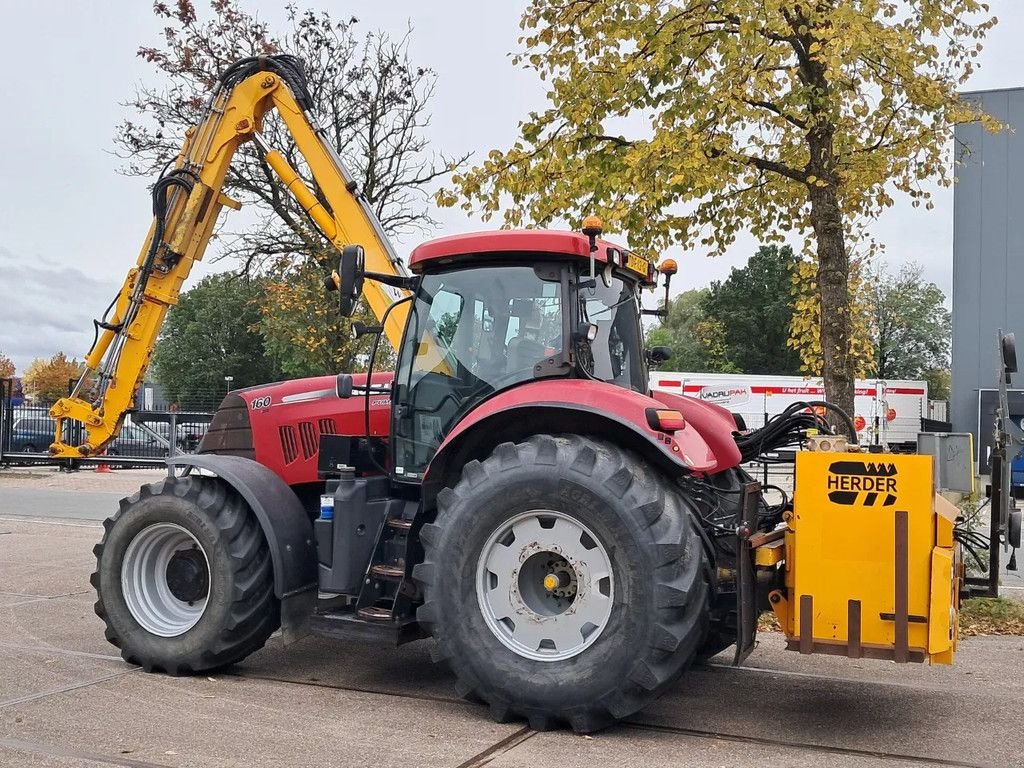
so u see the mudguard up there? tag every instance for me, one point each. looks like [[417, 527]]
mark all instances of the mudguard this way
[[714, 423], [285, 524], [573, 405]]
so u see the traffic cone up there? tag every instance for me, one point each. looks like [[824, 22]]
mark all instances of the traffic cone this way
[[103, 468]]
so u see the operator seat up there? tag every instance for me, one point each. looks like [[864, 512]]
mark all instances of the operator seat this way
[[525, 351]]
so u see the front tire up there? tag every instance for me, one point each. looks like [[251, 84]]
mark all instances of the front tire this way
[[581, 527], [184, 579]]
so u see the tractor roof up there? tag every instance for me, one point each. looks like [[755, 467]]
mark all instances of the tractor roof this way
[[532, 241]]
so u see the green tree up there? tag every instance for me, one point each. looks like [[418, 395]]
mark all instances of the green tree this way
[[679, 331], [303, 329], [939, 383], [212, 333], [755, 306], [912, 328], [688, 122]]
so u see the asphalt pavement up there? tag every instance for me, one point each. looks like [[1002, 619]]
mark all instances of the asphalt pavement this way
[[67, 699]]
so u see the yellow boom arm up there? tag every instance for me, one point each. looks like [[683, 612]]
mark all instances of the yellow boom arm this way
[[187, 201]]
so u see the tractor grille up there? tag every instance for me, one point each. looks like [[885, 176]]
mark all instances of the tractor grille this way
[[289, 447], [309, 438], [230, 432]]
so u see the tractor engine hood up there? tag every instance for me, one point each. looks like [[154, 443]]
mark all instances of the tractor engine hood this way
[[279, 425]]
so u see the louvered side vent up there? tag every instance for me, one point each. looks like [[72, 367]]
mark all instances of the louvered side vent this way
[[327, 427], [288, 446], [309, 438]]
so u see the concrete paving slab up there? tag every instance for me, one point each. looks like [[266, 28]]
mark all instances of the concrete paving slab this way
[[14, 599], [59, 504], [122, 481], [653, 749], [406, 670], [979, 661], [899, 718], [32, 755], [346, 703], [39, 543], [234, 722], [49, 580], [66, 623], [27, 673]]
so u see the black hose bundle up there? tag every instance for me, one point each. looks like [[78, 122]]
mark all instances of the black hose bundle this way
[[790, 428], [972, 540], [289, 68]]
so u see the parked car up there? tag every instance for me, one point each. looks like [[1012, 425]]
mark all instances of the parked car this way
[[32, 433], [132, 440]]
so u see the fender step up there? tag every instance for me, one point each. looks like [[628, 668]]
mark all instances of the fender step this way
[[346, 625]]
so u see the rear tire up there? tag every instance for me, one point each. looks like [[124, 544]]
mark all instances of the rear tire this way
[[150, 612], [659, 583]]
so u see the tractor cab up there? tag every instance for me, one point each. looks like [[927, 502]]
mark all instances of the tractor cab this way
[[495, 311]]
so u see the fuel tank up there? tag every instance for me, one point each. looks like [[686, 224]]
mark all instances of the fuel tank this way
[[279, 425]]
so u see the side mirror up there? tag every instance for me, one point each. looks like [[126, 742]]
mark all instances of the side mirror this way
[[343, 386], [351, 271], [1009, 352], [658, 355]]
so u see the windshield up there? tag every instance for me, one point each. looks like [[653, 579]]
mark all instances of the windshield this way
[[616, 354], [470, 333]]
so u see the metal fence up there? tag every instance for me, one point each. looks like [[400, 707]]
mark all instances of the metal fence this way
[[147, 437]]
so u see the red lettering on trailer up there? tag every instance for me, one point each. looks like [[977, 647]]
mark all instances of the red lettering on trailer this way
[[794, 390]]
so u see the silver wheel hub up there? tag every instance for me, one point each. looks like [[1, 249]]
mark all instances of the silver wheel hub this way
[[544, 585], [165, 579]]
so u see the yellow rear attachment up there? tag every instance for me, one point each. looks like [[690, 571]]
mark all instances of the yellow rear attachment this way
[[871, 568]]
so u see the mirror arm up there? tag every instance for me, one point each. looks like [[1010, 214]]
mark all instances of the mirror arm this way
[[397, 281]]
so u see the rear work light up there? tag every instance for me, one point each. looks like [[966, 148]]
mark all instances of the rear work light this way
[[665, 420]]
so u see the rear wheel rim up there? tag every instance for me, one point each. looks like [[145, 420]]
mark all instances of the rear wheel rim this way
[[155, 601], [545, 585]]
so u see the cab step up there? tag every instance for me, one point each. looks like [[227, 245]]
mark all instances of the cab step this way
[[388, 571]]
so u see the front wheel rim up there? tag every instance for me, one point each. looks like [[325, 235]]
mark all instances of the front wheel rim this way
[[544, 585], [149, 591]]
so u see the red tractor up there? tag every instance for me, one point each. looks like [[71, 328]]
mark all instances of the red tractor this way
[[514, 490], [570, 539]]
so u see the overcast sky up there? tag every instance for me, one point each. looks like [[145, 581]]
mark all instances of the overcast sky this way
[[70, 226]]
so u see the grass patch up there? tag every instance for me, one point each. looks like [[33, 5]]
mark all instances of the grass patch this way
[[767, 622], [991, 616]]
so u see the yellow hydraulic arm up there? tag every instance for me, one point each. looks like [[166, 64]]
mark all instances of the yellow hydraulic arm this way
[[186, 202]]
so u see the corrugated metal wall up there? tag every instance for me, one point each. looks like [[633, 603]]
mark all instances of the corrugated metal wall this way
[[988, 249]]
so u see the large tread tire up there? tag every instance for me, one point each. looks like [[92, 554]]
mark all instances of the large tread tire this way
[[662, 582], [242, 610]]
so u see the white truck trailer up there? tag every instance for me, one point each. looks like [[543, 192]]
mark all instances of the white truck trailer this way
[[886, 413]]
